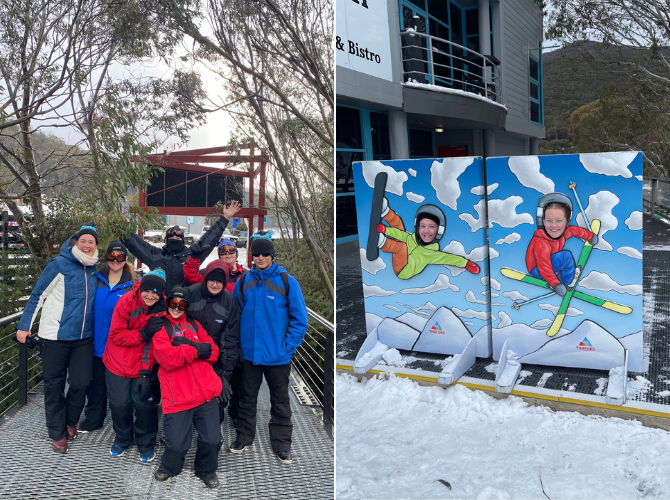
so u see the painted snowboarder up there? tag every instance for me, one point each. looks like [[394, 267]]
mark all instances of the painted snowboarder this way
[[412, 252], [545, 257]]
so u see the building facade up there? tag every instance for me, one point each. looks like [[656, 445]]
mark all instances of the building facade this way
[[434, 78]]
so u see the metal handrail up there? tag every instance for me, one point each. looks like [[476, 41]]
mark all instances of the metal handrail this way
[[481, 80]]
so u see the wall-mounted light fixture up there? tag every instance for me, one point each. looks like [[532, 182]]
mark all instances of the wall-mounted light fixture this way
[[438, 130]]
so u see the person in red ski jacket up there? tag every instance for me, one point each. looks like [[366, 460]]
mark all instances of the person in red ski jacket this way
[[228, 253], [189, 391], [129, 362], [545, 257]]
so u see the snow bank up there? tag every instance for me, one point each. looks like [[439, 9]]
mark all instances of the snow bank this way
[[396, 439]]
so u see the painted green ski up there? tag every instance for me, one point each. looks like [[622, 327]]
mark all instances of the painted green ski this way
[[581, 263], [591, 299]]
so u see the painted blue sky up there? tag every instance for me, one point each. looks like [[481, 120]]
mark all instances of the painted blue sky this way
[[456, 186], [609, 186]]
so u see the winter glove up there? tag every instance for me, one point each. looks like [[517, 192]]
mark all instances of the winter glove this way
[[198, 251], [204, 349], [472, 267], [594, 240], [143, 385], [560, 289], [227, 389], [381, 228], [154, 325]]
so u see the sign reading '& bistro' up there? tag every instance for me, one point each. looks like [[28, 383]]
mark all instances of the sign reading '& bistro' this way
[[355, 50]]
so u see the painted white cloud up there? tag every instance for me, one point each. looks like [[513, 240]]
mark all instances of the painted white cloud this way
[[469, 323], [639, 178], [509, 239], [600, 207], [630, 252], [416, 198], [495, 295], [444, 179], [412, 172], [493, 253], [441, 283], [572, 311], [503, 213], [540, 323], [470, 297], [470, 313], [634, 221], [475, 224], [375, 291], [393, 308], [495, 284], [527, 170], [479, 190], [428, 306], [515, 295], [612, 164], [491, 188], [505, 320], [371, 266], [596, 280], [395, 181]]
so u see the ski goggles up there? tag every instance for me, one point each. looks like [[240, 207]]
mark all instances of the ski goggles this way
[[116, 256], [261, 254], [227, 249], [174, 232], [180, 304]]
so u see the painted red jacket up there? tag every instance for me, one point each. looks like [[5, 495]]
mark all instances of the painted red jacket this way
[[192, 273], [186, 381], [542, 247], [126, 353]]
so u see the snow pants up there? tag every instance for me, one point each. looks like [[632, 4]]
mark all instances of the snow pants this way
[[281, 428], [178, 435], [63, 360], [96, 396], [563, 264], [124, 401]]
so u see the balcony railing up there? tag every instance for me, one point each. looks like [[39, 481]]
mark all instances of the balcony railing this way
[[431, 60]]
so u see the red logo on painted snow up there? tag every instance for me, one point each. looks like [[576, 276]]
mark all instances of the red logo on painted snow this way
[[437, 329], [585, 345]]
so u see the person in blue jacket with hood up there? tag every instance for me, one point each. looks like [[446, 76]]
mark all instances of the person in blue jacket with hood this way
[[65, 292], [272, 325], [115, 279]]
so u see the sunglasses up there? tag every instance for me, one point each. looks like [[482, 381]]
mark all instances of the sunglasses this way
[[175, 233], [261, 254], [227, 249], [182, 305], [116, 256]]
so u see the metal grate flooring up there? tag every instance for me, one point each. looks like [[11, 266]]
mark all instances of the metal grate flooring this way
[[31, 470], [652, 386]]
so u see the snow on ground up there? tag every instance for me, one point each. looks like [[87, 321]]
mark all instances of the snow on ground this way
[[396, 439]]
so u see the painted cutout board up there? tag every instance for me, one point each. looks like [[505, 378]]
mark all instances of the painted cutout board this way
[[424, 253], [567, 280]]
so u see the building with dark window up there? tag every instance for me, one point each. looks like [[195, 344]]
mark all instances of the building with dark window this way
[[434, 78]]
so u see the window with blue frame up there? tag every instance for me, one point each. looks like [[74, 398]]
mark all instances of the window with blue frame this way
[[360, 135], [535, 88]]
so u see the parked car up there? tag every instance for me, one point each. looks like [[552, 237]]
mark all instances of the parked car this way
[[242, 237], [153, 236], [228, 235]]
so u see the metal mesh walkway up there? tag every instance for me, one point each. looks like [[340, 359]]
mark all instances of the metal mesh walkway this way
[[30, 469]]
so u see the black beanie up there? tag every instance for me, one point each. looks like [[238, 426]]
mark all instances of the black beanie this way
[[88, 229], [154, 281], [179, 292], [117, 246], [262, 245], [218, 275]]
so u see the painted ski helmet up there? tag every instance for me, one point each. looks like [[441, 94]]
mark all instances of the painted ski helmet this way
[[436, 213], [546, 200]]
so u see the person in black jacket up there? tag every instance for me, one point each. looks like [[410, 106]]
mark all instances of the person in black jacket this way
[[217, 311], [173, 255]]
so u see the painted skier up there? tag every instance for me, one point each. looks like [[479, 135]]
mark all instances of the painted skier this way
[[545, 257], [412, 252]]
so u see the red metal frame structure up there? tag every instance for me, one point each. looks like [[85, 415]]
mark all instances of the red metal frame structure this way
[[194, 160]]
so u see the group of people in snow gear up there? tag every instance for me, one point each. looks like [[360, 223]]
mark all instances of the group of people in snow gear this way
[[178, 338]]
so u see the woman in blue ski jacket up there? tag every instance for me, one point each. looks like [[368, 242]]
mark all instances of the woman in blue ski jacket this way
[[114, 280], [65, 292]]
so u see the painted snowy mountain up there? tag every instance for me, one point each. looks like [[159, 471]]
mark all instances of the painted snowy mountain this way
[[635, 345], [521, 338], [372, 321], [442, 333]]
